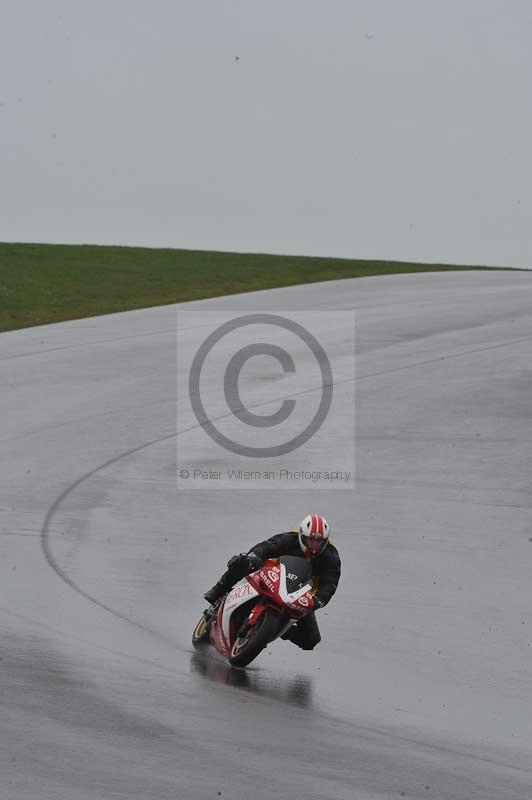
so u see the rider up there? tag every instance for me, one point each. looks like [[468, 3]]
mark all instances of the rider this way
[[311, 538]]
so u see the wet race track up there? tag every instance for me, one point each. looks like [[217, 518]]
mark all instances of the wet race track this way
[[421, 687]]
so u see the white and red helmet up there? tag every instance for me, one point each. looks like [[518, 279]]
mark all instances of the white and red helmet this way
[[314, 535]]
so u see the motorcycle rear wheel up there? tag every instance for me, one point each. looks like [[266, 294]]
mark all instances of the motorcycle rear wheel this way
[[255, 639], [201, 632]]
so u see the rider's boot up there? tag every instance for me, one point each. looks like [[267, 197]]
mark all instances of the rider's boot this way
[[214, 593], [223, 585], [288, 634], [210, 612]]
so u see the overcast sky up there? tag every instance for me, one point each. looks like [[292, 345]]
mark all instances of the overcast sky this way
[[394, 129]]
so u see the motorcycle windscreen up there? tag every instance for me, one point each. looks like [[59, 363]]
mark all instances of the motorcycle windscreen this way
[[298, 572]]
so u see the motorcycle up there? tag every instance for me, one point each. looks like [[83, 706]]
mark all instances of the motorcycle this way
[[258, 609]]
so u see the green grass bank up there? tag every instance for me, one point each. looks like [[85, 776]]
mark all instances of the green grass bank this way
[[41, 283]]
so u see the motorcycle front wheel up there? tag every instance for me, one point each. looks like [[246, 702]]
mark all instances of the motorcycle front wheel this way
[[254, 639]]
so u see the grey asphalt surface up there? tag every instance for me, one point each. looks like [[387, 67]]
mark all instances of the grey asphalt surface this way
[[422, 685]]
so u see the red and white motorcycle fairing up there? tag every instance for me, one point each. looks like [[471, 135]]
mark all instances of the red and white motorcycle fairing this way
[[269, 588], [220, 628]]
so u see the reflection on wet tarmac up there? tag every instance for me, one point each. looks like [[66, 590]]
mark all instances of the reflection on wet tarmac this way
[[296, 689]]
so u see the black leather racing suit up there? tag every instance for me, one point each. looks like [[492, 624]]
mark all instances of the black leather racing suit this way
[[326, 569]]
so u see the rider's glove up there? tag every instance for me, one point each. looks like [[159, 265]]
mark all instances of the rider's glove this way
[[254, 562]]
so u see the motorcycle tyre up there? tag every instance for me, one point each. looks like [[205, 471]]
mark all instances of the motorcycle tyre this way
[[200, 635], [248, 647]]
